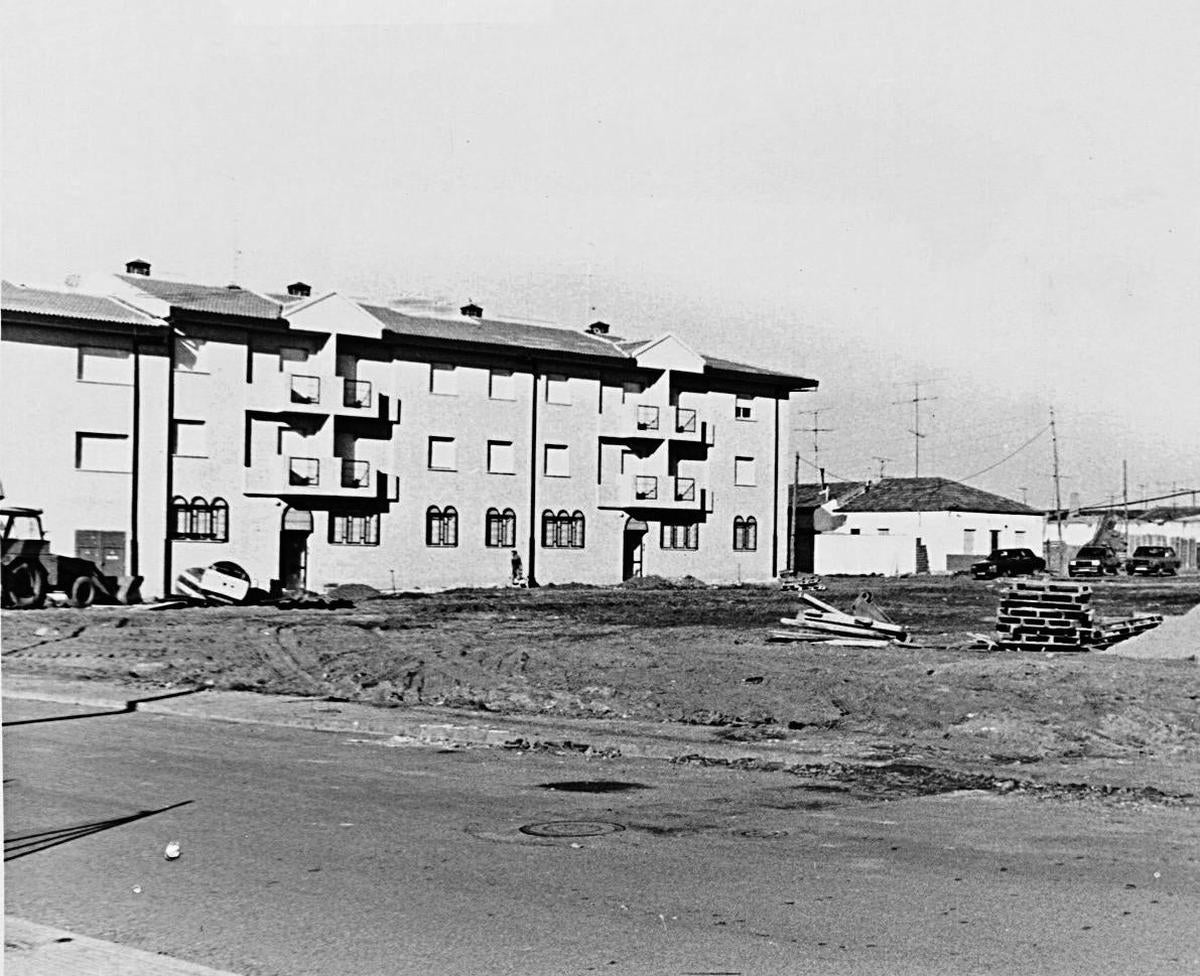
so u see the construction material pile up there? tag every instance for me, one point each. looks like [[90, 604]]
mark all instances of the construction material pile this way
[[868, 625], [1051, 615]]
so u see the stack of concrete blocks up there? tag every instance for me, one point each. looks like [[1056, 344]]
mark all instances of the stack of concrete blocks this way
[[1046, 616]]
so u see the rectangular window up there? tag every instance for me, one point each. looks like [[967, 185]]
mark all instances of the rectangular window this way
[[631, 390], [98, 364], [1020, 534], [500, 458], [885, 531], [558, 463], [354, 530], [442, 454], [103, 452], [743, 471], [558, 388], [192, 355], [680, 536], [443, 379], [856, 531], [968, 541], [743, 408], [189, 438], [502, 384]]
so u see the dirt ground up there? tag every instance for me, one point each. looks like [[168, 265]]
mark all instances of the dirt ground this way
[[688, 654]]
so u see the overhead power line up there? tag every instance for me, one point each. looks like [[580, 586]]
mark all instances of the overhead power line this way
[[1007, 457]]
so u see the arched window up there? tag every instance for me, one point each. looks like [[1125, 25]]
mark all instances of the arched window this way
[[561, 531], [181, 518], [745, 534], [577, 530], [441, 526], [549, 530], [198, 520], [219, 521], [501, 529]]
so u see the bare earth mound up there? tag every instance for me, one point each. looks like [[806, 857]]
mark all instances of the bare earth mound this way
[[1174, 638]]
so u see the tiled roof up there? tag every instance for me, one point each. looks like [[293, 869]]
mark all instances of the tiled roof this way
[[728, 366], [214, 299], [488, 332], [915, 495], [72, 305]]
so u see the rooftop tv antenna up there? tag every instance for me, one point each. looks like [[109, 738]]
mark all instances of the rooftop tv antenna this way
[[915, 430]]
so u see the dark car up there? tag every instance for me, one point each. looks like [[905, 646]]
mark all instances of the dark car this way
[[1153, 560], [1094, 561], [1009, 562]]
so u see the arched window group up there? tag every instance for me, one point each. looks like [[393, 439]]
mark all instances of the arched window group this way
[[501, 529], [199, 520], [745, 534], [562, 531], [441, 526]]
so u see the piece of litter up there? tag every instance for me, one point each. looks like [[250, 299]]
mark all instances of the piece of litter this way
[[1158, 874], [137, 889], [346, 825], [172, 851], [577, 846]]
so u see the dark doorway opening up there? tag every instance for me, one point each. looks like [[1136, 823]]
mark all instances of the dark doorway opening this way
[[635, 547], [297, 526]]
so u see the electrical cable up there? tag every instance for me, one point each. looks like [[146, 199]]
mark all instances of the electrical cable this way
[[1007, 457]]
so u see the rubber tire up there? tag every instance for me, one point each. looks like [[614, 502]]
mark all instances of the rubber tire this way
[[83, 592], [26, 586]]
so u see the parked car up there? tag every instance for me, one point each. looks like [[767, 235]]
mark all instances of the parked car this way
[[1153, 561], [1094, 561], [1008, 562]]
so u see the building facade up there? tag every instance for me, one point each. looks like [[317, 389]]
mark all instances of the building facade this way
[[899, 526], [317, 440]]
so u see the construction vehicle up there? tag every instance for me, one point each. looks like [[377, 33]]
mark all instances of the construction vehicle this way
[[31, 571]]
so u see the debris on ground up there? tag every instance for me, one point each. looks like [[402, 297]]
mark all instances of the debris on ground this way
[[816, 620], [1052, 615], [801, 583], [221, 583]]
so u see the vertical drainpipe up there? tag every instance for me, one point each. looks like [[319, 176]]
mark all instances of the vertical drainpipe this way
[[137, 453], [533, 435], [775, 500], [168, 585]]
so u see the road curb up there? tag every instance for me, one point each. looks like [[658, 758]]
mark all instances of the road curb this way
[[434, 726], [32, 949]]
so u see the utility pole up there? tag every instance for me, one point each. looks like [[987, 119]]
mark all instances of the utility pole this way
[[1024, 494], [916, 401], [1057, 488], [882, 461], [1125, 493], [793, 552]]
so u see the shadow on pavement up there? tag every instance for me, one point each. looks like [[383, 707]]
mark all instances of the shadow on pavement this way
[[24, 844], [129, 706]]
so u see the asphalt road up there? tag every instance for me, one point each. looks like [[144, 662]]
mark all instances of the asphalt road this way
[[311, 853]]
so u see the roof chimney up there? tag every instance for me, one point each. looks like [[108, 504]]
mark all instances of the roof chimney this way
[[138, 267], [598, 328], [471, 310], [300, 289]]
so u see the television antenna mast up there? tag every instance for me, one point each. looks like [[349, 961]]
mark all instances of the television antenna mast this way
[[915, 430], [816, 430], [882, 463]]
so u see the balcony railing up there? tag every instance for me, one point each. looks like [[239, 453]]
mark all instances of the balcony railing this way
[[304, 472], [356, 393], [647, 417], [645, 487], [356, 474], [685, 489], [305, 389], [685, 420]]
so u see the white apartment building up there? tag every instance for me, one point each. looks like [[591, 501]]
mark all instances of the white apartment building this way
[[315, 440]]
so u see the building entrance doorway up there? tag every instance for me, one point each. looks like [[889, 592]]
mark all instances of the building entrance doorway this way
[[635, 547], [294, 531]]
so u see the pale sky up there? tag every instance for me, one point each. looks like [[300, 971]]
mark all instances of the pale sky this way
[[999, 199]]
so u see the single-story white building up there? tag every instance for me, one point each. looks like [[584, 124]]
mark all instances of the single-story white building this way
[[1159, 526], [905, 525]]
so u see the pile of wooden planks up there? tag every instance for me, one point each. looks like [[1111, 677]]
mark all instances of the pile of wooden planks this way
[[1053, 615], [819, 621]]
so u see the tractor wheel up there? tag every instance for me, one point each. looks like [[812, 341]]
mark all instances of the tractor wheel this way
[[83, 592], [25, 586]]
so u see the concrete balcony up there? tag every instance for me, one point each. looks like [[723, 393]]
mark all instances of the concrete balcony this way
[[327, 476], [635, 420], [291, 393], [691, 427], [639, 491]]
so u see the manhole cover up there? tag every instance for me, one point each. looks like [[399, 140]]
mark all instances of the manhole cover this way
[[572, 828], [594, 786]]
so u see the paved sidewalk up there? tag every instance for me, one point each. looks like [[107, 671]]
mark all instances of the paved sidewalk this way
[[39, 950], [443, 726]]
